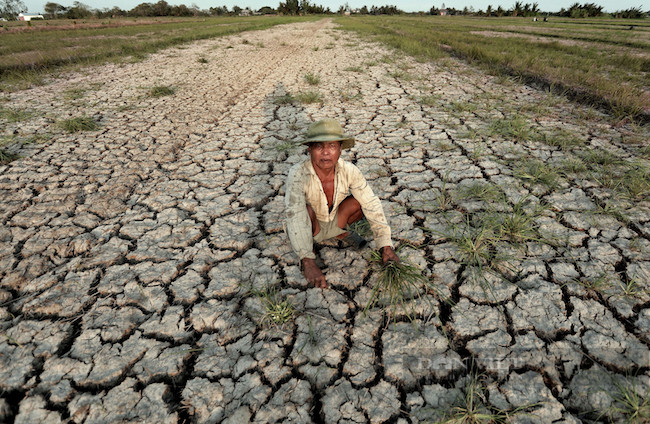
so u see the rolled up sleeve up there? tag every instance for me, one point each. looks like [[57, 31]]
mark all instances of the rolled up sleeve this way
[[298, 224]]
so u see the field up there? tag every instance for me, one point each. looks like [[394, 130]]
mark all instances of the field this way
[[604, 62], [27, 51], [601, 62], [145, 274]]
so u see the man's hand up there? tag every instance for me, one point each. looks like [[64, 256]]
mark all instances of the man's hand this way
[[388, 254], [312, 273]]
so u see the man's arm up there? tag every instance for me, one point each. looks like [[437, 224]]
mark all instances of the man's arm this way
[[299, 228], [297, 217]]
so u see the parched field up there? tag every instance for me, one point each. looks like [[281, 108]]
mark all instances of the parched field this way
[[145, 275], [603, 62]]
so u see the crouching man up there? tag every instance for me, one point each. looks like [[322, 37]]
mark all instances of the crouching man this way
[[324, 194]]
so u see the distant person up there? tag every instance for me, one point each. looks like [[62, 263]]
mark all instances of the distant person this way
[[325, 194]]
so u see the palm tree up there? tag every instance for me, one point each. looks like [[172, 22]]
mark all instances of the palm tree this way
[[535, 9]]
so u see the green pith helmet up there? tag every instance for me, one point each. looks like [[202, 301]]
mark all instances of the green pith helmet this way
[[328, 130]]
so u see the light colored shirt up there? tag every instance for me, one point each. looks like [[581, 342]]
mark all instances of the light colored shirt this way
[[304, 188]]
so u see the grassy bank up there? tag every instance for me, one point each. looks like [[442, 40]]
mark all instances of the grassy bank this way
[[27, 52], [602, 62]]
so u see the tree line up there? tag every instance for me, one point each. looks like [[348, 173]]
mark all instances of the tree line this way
[[291, 7], [9, 9], [587, 10]]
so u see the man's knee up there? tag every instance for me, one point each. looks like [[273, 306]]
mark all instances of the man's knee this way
[[351, 202], [349, 212]]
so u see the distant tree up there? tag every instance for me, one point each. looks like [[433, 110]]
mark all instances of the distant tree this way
[[587, 10], [181, 10], [142, 10], [534, 9], [161, 8], [197, 11], [529, 10], [500, 12], [434, 11], [54, 10], [10, 9], [385, 10], [594, 9], [290, 7], [489, 11], [116, 12], [632, 13], [364, 10], [79, 11], [219, 11], [308, 8], [517, 9], [577, 11], [266, 10]]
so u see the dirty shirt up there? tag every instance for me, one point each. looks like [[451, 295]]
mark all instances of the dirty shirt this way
[[304, 188]]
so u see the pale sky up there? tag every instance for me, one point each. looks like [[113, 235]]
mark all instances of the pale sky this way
[[37, 6]]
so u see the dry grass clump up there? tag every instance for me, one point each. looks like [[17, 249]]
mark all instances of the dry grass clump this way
[[630, 403], [309, 97], [398, 283], [285, 99], [534, 171], [14, 115], [161, 90], [6, 157], [473, 406], [82, 123], [312, 79], [628, 178], [356, 68], [278, 310]]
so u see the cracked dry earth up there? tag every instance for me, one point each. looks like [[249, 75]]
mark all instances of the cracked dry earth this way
[[138, 261]]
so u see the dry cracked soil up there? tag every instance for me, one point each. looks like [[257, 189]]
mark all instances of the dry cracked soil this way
[[145, 275]]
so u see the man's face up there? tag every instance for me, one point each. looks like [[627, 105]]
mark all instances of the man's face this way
[[325, 155]]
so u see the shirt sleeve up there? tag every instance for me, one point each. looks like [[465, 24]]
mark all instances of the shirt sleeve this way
[[371, 206], [298, 223]]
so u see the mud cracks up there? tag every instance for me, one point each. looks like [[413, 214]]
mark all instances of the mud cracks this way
[[137, 261]]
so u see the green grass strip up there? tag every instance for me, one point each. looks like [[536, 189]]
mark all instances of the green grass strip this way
[[610, 75]]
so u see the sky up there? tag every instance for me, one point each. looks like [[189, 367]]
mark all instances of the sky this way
[[37, 6]]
